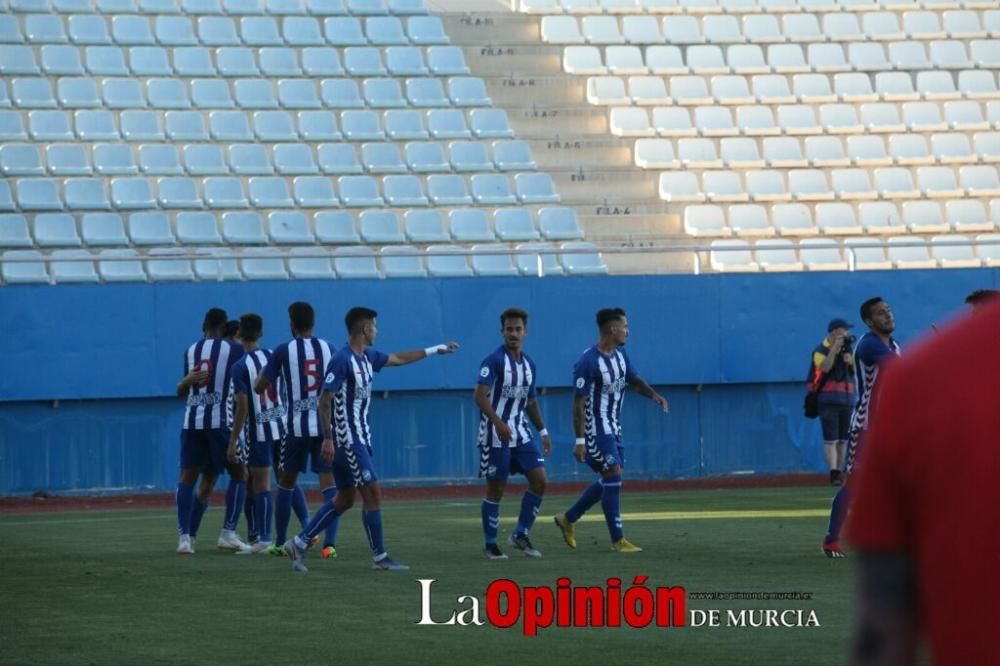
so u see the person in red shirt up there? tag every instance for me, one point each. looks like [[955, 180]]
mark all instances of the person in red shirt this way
[[925, 516]]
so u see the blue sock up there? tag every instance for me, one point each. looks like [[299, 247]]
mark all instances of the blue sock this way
[[591, 496], [235, 497], [299, 506], [330, 537], [838, 511], [530, 504], [185, 496], [249, 510], [318, 523], [372, 520], [491, 520], [282, 512], [263, 508], [611, 503], [197, 511]]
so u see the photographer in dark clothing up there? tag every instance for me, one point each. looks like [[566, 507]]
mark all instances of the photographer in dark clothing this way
[[833, 379]]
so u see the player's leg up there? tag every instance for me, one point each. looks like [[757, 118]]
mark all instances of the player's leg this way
[[328, 487], [343, 500], [235, 490], [841, 501], [591, 495], [259, 461], [299, 505], [497, 470], [191, 462], [843, 433], [253, 532], [528, 460], [201, 497], [293, 457]]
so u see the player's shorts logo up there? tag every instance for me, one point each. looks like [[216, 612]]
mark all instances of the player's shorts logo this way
[[329, 378], [366, 475], [485, 372], [580, 382], [610, 460], [491, 470]]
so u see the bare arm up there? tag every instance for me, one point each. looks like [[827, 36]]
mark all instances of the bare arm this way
[[407, 357], [192, 378], [326, 425], [640, 386], [261, 384], [482, 400], [579, 408], [535, 414], [239, 419], [885, 633]]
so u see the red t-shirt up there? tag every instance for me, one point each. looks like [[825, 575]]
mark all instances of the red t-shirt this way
[[928, 485]]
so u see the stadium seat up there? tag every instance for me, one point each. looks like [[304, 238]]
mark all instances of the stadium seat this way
[[211, 94], [44, 29], [954, 251], [426, 92], [424, 226], [732, 256], [56, 230], [224, 192], [402, 261], [514, 224], [230, 126], [164, 269], [314, 192], [178, 193], [221, 267], [152, 228], [321, 61], [749, 220], [447, 261], [426, 31], [544, 263], [355, 262], [194, 61], [232, 61], [132, 194], [68, 159], [263, 263], [447, 190], [289, 228], [274, 126], [294, 159], [380, 227], [468, 91], [361, 126], [338, 158], [904, 254], [18, 60], [318, 126], [880, 217], [705, 220], [388, 31], [149, 61], [336, 228], [103, 229], [185, 126], [777, 254], [383, 93], [12, 127], [23, 272], [447, 124], [269, 192], [32, 93], [20, 160], [492, 189], [493, 260], [581, 258], [821, 254], [404, 125], [84, 29], [988, 249], [203, 160], [364, 61], [38, 194], [382, 157], [14, 231], [279, 61], [470, 225], [66, 270], [404, 191], [446, 61], [121, 270], [792, 219], [306, 263], [141, 126], [358, 191], [469, 156], [967, 216]]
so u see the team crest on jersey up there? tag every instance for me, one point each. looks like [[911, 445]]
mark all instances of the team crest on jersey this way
[[329, 378], [485, 372], [580, 381]]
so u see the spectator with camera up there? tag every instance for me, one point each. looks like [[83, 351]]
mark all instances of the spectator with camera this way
[[832, 385]]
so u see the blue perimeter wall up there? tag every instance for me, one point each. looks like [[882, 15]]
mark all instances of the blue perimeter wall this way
[[86, 395]]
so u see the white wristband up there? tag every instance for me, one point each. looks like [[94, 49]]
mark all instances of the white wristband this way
[[436, 349], [580, 441], [544, 432]]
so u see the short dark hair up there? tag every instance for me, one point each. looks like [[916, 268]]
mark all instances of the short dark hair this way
[[980, 296], [513, 313], [356, 316], [215, 319], [231, 328], [302, 316], [251, 327], [866, 307], [608, 315]]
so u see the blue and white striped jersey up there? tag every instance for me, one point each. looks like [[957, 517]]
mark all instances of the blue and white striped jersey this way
[[349, 378], [206, 403], [266, 416], [603, 379], [869, 353], [300, 363], [512, 384]]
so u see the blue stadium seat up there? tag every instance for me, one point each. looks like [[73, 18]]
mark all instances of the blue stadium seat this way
[[14, 231], [122, 270], [127, 30], [174, 31], [44, 29], [123, 93], [67, 159], [425, 226], [132, 194], [205, 159], [18, 60], [20, 159], [404, 191], [152, 228], [254, 94], [32, 93], [336, 228], [230, 126], [426, 30], [340, 94], [73, 6], [23, 272], [217, 31], [159, 159], [470, 225], [338, 158], [10, 30], [321, 61], [141, 126], [382, 157], [405, 61], [167, 94], [401, 125], [279, 61], [359, 191], [298, 94], [185, 126], [6, 196], [402, 261], [193, 61], [447, 190], [250, 159], [450, 264], [12, 127], [528, 264], [201, 6], [361, 126], [243, 229], [358, 61], [158, 6], [103, 229], [198, 229], [486, 262], [236, 61], [289, 228], [263, 263], [221, 267], [311, 266], [426, 157], [326, 7], [407, 7], [4, 97], [88, 30], [318, 126], [114, 159], [38, 194], [274, 126], [149, 61], [588, 263], [241, 7], [86, 194], [176, 192], [269, 192], [49, 126], [535, 188], [225, 192], [106, 61], [116, 6], [469, 156], [60, 60], [77, 93], [468, 91], [165, 269], [514, 224], [426, 92], [302, 31], [446, 61], [367, 7], [447, 124], [315, 192], [381, 227], [343, 31], [492, 189], [260, 31], [355, 263], [513, 156], [56, 230], [559, 223], [68, 268], [294, 159], [385, 31], [284, 7]]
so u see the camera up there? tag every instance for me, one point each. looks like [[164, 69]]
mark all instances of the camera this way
[[848, 342]]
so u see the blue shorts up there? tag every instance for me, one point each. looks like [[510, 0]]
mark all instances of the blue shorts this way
[[204, 450], [499, 462], [259, 454], [604, 452], [296, 450], [352, 466]]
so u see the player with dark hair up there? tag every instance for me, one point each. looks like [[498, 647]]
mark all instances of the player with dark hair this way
[[871, 351], [348, 387], [300, 364], [259, 424], [205, 435], [505, 392], [600, 378], [980, 298], [231, 330]]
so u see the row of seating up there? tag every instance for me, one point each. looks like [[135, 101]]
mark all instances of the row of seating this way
[[225, 192], [254, 159], [878, 217], [232, 61], [769, 28], [820, 254], [126, 265], [302, 93], [464, 225], [309, 126], [739, 6], [844, 184], [801, 119], [233, 7], [785, 152], [132, 30]]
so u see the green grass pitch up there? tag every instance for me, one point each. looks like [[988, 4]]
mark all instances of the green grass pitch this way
[[106, 587]]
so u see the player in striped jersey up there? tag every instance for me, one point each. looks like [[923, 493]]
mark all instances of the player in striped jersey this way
[[205, 437], [300, 364], [600, 378], [347, 386], [260, 420], [505, 392], [872, 349]]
